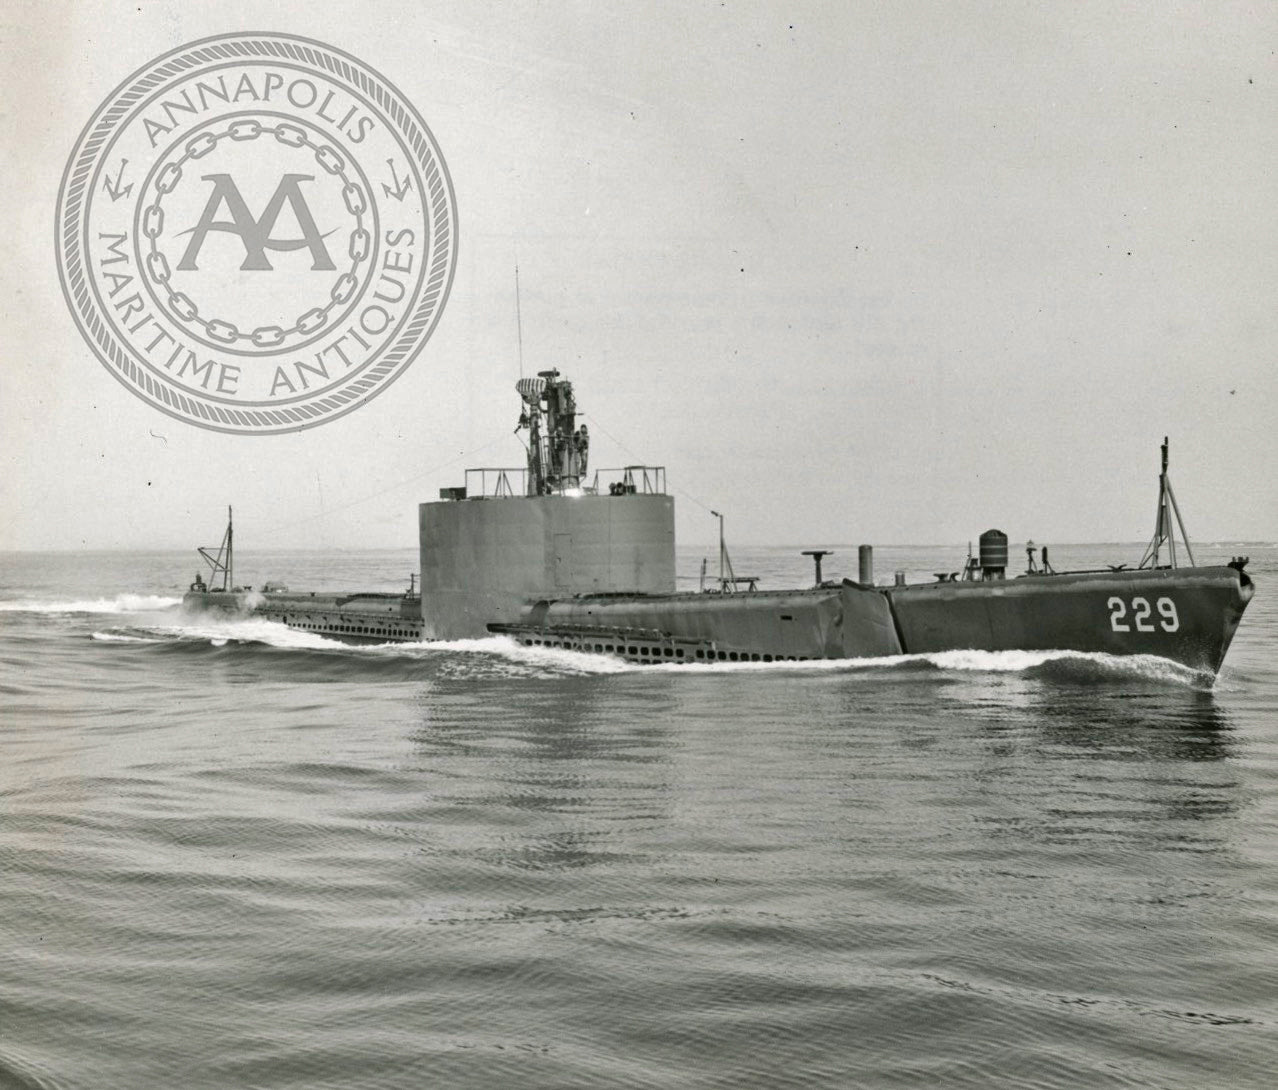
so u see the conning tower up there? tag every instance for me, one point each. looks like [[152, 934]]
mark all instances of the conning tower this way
[[547, 530]]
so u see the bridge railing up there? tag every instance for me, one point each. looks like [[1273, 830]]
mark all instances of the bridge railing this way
[[499, 482]]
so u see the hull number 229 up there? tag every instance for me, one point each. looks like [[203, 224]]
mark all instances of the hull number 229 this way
[[1142, 617]]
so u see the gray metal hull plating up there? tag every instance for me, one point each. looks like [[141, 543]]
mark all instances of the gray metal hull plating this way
[[483, 560], [845, 621], [1188, 615]]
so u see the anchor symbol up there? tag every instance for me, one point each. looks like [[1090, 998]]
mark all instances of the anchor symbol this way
[[400, 189], [113, 187]]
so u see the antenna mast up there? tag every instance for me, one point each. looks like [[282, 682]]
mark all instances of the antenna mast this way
[[1164, 534], [519, 324]]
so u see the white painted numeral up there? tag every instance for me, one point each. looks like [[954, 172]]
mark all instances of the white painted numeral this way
[[1142, 615]]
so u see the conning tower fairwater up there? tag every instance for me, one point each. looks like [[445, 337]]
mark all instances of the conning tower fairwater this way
[[549, 529]]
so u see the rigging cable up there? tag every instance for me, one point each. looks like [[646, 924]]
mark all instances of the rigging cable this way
[[389, 488], [685, 494]]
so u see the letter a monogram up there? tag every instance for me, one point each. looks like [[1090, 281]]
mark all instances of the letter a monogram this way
[[256, 233]]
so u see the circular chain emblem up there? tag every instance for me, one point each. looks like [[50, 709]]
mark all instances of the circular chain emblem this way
[[256, 233]]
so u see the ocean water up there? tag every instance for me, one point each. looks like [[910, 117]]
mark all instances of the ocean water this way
[[232, 855]]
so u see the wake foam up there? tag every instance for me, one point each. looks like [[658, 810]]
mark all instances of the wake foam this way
[[121, 603], [500, 651], [1094, 667], [249, 630], [556, 660], [120, 637], [1063, 666], [219, 630], [1049, 665]]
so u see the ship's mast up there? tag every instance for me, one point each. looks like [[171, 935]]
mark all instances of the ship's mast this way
[[727, 577], [223, 562], [1164, 533], [519, 324]]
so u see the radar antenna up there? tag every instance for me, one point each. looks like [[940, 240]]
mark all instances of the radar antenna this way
[[557, 448], [1164, 533]]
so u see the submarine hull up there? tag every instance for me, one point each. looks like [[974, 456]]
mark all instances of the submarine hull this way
[[1187, 615], [365, 617], [549, 555]]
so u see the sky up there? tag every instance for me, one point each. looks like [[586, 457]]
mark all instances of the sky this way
[[852, 272]]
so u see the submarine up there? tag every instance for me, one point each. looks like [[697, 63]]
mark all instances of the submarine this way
[[551, 554]]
